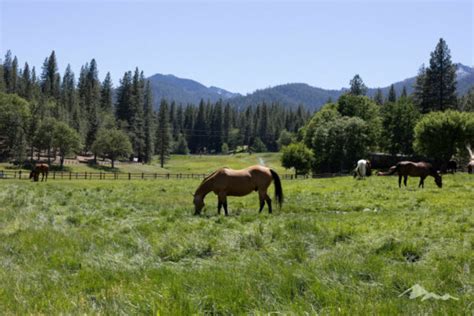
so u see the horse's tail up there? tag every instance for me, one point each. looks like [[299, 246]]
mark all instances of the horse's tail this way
[[278, 188], [390, 171]]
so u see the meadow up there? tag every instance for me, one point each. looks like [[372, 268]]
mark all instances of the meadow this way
[[176, 164], [338, 246]]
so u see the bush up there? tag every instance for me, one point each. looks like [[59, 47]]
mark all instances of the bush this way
[[440, 134], [112, 143], [181, 146], [225, 149], [285, 139], [398, 120], [297, 156], [258, 146]]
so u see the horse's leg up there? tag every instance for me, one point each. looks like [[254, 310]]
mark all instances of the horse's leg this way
[[222, 198], [261, 197], [400, 181], [269, 203], [219, 206], [405, 178], [422, 184], [225, 207]]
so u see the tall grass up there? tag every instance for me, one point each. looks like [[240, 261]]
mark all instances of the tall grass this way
[[338, 246]]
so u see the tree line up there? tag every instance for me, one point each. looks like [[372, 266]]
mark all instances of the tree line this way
[[120, 122], [432, 122]]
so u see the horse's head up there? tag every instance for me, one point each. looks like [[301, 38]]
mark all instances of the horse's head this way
[[198, 204], [439, 181], [32, 174]]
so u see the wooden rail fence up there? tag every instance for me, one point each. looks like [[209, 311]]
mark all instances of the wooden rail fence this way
[[65, 175]]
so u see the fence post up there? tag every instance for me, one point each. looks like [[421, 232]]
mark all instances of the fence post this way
[[70, 175], [19, 174], [143, 175], [14, 175], [85, 175], [168, 175], [129, 176]]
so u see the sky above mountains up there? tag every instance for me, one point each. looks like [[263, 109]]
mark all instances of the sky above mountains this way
[[241, 46]]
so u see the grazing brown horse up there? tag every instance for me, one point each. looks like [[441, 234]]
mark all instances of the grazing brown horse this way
[[40, 168], [413, 169], [226, 182]]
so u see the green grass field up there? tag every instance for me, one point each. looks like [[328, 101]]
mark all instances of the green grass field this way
[[338, 246], [181, 164]]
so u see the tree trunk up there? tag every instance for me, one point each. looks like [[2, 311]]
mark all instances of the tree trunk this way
[[61, 159], [113, 161]]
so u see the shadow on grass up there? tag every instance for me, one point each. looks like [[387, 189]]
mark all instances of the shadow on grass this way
[[102, 167]]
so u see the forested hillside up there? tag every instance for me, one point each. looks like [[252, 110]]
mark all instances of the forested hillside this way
[[53, 114]]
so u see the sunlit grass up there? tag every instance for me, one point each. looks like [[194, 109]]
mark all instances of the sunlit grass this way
[[337, 246], [179, 164]]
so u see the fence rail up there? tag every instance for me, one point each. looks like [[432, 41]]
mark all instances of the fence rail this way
[[65, 175]]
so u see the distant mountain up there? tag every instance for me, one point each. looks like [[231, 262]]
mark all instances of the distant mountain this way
[[184, 90], [292, 94], [464, 77]]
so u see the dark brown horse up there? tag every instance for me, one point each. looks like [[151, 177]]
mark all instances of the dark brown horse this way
[[40, 168], [414, 169], [228, 182], [470, 166]]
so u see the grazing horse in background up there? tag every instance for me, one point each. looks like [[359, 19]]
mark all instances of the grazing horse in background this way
[[226, 182], [470, 165], [413, 169], [40, 168], [363, 169]]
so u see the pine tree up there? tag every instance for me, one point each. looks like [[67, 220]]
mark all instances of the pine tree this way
[[440, 80], [2, 79], [404, 92], [149, 126], [26, 84], [7, 71], [136, 128], [180, 119], [163, 133], [199, 136], [124, 99], [106, 94], [50, 78], [378, 98], [92, 104], [392, 95], [14, 77], [227, 123], [216, 127], [189, 122], [69, 97], [420, 92], [357, 86], [173, 121]]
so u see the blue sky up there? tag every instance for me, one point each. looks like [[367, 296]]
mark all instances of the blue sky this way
[[241, 46]]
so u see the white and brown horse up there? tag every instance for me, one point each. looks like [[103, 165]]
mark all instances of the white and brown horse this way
[[226, 182], [363, 169]]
